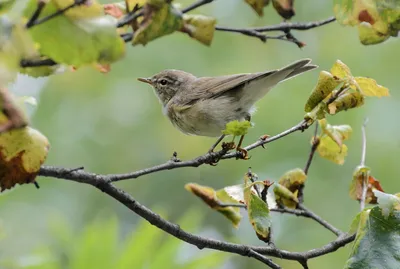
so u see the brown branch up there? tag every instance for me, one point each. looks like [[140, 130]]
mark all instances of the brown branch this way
[[197, 4], [106, 186], [284, 27], [33, 21], [169, 165]]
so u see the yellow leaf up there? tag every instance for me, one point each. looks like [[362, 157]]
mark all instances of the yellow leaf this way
[[340, 70], [258, 5], [200, 27], [159, 20], [369, 87], [330, 150], [284, 8], [22, 152], [90, 9], [284, 196], [214, 199], [346, 101]]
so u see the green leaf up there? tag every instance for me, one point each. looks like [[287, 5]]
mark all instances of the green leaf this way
[[341, 70], [80, 36], [5, 5], [200, 27], [161, 18], [237, 128], [258, 213], [377, 244], [346, 101], [214, 199]]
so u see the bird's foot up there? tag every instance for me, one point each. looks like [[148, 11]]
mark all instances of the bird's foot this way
[[241, 153]]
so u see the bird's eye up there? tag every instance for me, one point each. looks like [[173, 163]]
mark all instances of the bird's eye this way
[[163, 82]]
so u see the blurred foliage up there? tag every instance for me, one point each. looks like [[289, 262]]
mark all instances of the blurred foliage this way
[[111, 124], [99, 246]]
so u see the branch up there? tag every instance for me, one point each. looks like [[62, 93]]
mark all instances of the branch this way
[[284, 27], [35, 21], [170, 164], [106, 186], [195, 5], [304, 212], [365, 176]]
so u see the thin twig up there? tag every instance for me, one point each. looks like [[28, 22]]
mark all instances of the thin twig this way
[[365, 176], [37, 63], [55, 14], [195, 5], [299, 26], [327, 225], [40, 5], [314, 147], [263, 259]]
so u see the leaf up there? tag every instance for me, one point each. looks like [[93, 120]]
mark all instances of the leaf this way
[[80, 36], [346, 101], [376, 20], [340, 70], [160, 18], [258, 5], [388, 203], [5, 5], [330, 150], [284, 8], [369, 87], [258, 213], [337, 133], [356, 188], [284, 197], [200, 27], [377, 241], [368, 36], [292, 180], [325, 85], [237, 128], [214, 199], [22, 152]]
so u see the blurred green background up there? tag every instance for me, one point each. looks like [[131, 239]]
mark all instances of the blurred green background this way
[[111, 123]]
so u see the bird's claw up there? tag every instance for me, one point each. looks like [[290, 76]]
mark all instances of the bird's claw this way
[[241, 153]]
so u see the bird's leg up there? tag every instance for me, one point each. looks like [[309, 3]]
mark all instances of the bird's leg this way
[[216, 143], [243, 153]]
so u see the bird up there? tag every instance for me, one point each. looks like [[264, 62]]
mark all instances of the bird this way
[[203, 106]]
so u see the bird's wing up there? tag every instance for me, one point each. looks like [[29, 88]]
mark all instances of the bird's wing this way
[[211, 87]]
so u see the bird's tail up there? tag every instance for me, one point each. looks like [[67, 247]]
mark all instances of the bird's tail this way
[[296, 68]]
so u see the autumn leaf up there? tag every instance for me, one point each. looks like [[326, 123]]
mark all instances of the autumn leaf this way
[[325, 85], [292, 180], [369, 87], [160, 18], [284, 197], [237, 128], [199, 27], [340, 70], [215, 199], [284, 8], [376, 20], [22, 152], [258, 5], [388, 203], [330, 150], [360, 174]]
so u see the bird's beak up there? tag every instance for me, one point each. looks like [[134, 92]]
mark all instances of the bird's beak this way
[[145, 80]]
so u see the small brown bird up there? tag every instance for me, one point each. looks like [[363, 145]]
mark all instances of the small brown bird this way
[[204, 105]]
